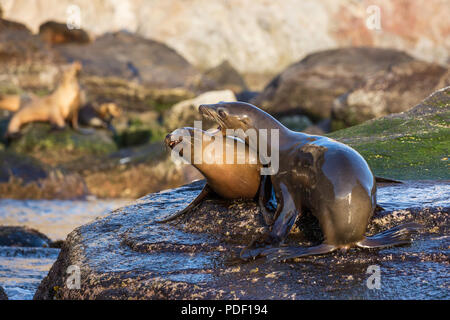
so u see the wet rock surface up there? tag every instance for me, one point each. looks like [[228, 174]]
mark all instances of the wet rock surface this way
[[127, 255], [16, 236]]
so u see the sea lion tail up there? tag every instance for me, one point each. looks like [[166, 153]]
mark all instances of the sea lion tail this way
[[386, 180], [399, 235]]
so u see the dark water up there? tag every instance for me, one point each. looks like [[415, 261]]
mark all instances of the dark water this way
[[21, 269]]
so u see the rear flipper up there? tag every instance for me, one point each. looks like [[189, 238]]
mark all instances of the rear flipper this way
[[399, 235], [288, 253], [205, 191]]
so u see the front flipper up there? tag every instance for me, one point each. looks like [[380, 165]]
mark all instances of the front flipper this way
[[205, 191], [285, 216], [266, 198], [288, 253]]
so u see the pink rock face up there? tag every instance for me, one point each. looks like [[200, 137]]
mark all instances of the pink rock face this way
[[421, 28], [258, 37]]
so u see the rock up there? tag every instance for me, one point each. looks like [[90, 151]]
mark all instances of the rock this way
[[296, 122], [3, 295], [224, 76], [321, 128], [131, 172], [310, 85], [186, 112], [23, 177], [246, 96], [7, 25], [411, 145], [388, 91], [126, 255], [56, 33], [26, 62], [59, 146], [150, 62], [16, 236], [261, 37]]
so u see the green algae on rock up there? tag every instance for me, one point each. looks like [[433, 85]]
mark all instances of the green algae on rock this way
[[56, 146], [413, 145]]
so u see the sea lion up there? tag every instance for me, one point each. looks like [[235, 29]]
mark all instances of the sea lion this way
[[13, 102], [228, 180], [55, 108], [99, 115], [318, 174]]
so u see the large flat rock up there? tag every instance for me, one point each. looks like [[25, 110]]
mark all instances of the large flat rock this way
[[127, 255]]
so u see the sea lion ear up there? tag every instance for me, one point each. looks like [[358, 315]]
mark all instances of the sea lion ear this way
[[245, 119]]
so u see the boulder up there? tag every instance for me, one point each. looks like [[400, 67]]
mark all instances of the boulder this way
[[53, 146], [16, 236], [411, 145], [126, 255], [389, 91], [26, 62], [53, 32], [150, 62], [24, 177], [223, 76], [186, 112], [310, 86]]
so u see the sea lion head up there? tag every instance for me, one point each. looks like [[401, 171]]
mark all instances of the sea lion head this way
[[187, 138], [238, 115], [71, 71], [109, 110]]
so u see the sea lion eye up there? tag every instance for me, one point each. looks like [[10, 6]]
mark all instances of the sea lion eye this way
[[222, 113]]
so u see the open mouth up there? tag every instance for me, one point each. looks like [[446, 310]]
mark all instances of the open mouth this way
[[172, 143]]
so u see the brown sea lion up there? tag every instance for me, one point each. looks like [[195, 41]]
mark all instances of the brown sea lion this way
[[228, 180], [99, 115], [316, 174], [10, 102], [55, 108], [13, 102]]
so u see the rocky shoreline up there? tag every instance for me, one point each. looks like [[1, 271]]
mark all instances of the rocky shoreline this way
[[126, 255]]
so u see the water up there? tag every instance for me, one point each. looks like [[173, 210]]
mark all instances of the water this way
[[22, 269]]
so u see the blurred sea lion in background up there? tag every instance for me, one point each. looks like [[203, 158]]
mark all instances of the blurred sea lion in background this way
[[61, 105], [99, 115]]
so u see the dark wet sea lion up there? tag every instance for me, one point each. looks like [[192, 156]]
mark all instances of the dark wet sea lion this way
[[228, 180], [318, 174]]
